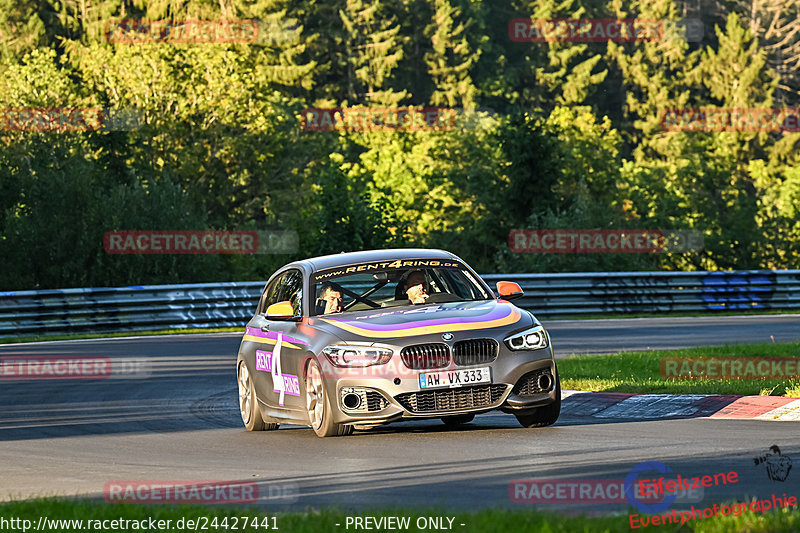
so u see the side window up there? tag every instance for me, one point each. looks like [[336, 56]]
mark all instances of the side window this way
[[270, 295], [292, 290]]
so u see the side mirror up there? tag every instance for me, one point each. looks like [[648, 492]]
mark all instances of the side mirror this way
[[509, 290], [281, 311]]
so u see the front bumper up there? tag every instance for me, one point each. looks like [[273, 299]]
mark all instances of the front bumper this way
[[391, 392]]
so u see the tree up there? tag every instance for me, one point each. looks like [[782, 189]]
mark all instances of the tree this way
[[656, 74], [373, 48], [342, 216], [776, 24], [451, 58], [539, 75], [701, 179]]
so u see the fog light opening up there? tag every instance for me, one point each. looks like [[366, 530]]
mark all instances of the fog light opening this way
[[351, 400], [545, 382]]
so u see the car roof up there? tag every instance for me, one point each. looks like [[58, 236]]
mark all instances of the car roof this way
[[366, 256]]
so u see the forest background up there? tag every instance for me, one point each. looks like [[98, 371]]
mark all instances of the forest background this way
[[573, 138]]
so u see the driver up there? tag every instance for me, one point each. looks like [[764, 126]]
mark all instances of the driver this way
[[332, 296], [415, 287]]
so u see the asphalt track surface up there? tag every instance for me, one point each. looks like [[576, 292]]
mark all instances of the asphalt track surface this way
[[176, 418]]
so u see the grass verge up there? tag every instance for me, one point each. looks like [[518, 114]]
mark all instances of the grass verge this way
[[639, 372], [317, 521]]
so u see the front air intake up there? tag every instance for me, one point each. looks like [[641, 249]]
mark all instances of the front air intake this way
[[535, 382], [443, 400]]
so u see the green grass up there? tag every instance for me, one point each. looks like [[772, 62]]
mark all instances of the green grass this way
[[639, 372], [72, 336], [314, 521]]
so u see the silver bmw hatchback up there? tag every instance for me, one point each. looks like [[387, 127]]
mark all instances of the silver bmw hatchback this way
[[357, 340]]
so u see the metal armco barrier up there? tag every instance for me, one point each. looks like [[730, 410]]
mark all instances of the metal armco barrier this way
[[149, 307], [655, 292], [207, 305]]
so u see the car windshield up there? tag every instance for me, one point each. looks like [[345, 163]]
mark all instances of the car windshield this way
[[383, 284]]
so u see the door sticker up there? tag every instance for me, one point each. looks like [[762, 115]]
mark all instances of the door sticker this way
[[271, 362]]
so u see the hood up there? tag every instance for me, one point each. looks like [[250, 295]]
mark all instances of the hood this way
[[426, 319]]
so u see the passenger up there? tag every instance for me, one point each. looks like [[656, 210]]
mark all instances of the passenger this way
[[331, 295], [415, 287]]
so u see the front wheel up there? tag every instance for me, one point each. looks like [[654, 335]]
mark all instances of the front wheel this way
[[319, 406], [248, 404], [543, 416]]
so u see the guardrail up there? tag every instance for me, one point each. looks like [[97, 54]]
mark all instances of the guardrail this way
[[656, 292], [207, 305]]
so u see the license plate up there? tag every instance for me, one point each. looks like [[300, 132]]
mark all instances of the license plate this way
[[455, 378]]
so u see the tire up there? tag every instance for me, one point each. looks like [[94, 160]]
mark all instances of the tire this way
[[319, 408], [457, 420], [248, 404], [543, 416]]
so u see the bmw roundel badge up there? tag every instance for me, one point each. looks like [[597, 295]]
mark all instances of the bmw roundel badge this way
[[447, 336]]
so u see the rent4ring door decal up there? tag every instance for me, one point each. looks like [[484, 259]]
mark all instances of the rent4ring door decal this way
[[271, 362]]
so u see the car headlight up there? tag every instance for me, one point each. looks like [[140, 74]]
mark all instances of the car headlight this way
[[354, 355], [534, 338]]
